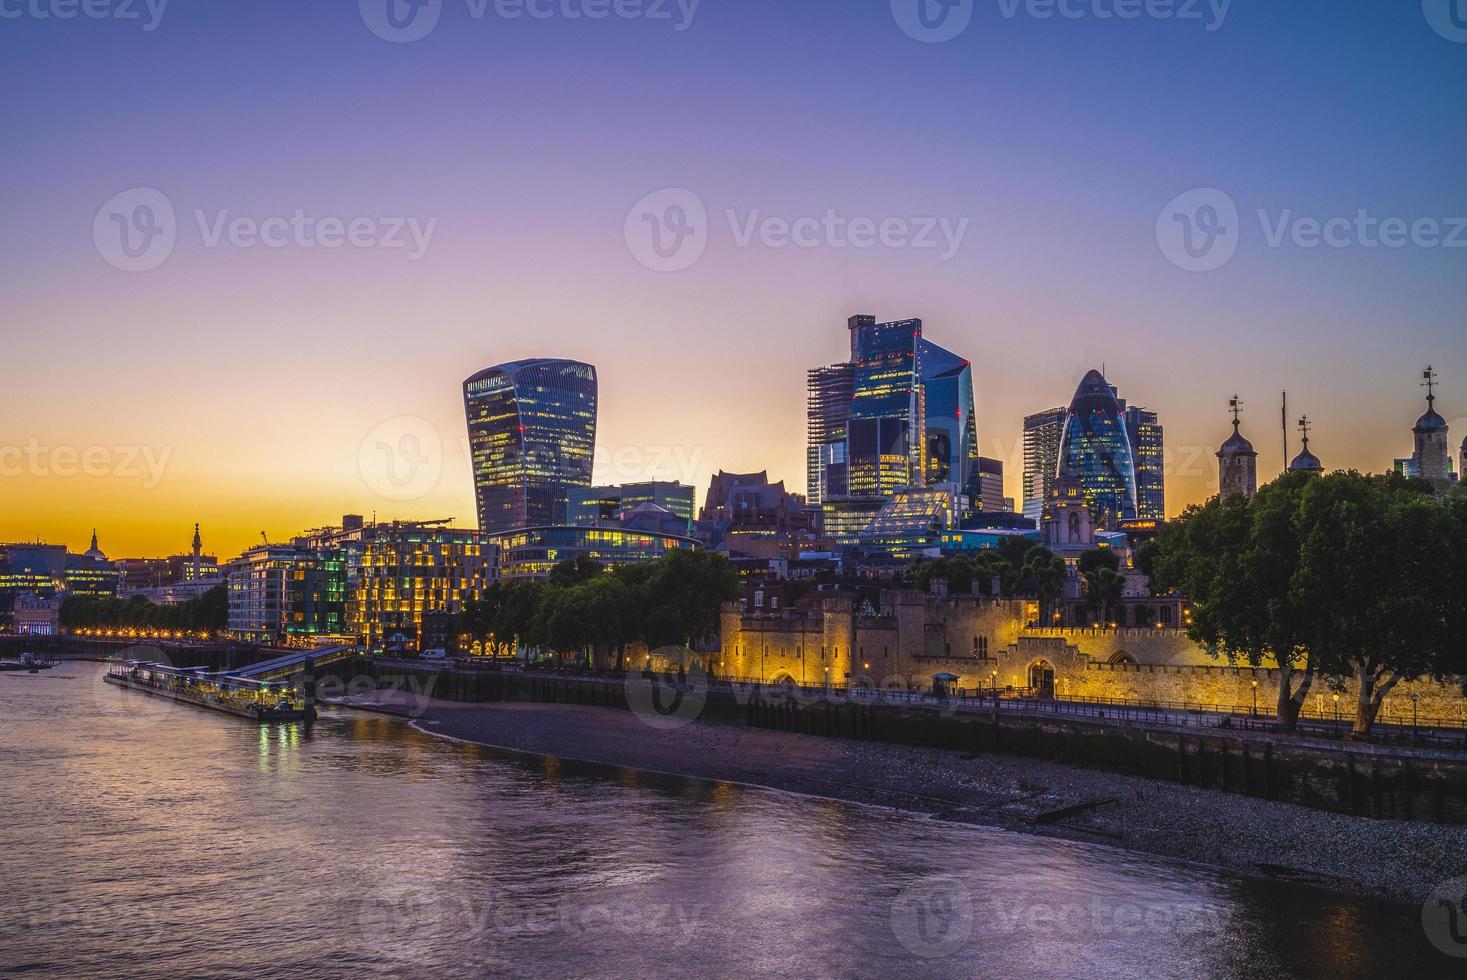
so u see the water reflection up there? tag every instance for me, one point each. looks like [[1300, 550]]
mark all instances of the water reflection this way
[[153, 847]]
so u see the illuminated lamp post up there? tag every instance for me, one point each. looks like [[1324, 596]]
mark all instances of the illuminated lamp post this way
[[1255, 699]]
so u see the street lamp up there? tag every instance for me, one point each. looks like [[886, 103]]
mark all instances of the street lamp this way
[[1415, 704], [1255, 699], [1337, 708]]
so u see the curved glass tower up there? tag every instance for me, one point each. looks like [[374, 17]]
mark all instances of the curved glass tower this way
[[532, 436], [1096, 451]]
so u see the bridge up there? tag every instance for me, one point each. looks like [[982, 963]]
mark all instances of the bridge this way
[[293, 663]]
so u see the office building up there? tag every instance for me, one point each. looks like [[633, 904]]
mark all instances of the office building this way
[[408, 570], [1043, 433], [284, 595], [592, 506], [828, 408], [1096, 453], [1148, 452], [533, 552], [532, 436]]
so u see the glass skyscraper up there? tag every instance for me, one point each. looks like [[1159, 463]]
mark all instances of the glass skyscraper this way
[[532, 436], [1145, 432], [1096, 452], [1043, 433], [898, 415]]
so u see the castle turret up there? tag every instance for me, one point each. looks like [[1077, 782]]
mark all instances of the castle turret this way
[[1432, 452], [1306, 462], [1237, 461]]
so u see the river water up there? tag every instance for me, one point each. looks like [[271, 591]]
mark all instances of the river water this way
[[145, 839]]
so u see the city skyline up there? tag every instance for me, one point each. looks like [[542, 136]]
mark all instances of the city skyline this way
[[248, 378]]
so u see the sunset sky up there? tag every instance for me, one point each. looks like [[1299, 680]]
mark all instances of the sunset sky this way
[[251, 388]]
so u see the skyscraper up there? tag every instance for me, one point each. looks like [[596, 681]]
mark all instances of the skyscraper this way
[[886, 434], [828, 399], [532, 436], [1148, 451], [1043, 433], [951, 429], [1096, 452]]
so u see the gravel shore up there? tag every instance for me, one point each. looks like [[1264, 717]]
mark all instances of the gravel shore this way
[[1392, 860]]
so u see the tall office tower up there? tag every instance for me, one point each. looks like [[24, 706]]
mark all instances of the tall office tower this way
[[1147, 450], [1432, 455], [886, 440], [1043, 433], [990, 498], [828, 400], [951, 426], [1237, 462], [532, 435], [1096, 452]]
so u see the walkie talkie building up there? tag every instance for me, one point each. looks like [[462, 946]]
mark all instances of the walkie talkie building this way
[[532, 436]]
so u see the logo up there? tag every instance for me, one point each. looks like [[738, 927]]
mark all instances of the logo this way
[[402, 459], [136, 230], [1444, 917], [1199, 231], [395, 918], [668, 705], [1448, 18], [933, 918], [932, 21], [667, 231], [401, 21]]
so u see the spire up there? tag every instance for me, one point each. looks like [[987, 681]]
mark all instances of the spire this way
[[94, 539], [1430, 385], [198, 542]]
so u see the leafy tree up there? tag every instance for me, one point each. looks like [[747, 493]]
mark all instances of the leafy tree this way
[[1380, 584], [1045, 573], [1104, 588], [1235, 560], [1098, 558]]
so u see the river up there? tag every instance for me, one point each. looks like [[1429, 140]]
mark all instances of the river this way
[[145, 839]]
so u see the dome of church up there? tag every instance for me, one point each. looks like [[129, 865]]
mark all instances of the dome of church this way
[[94, 552]]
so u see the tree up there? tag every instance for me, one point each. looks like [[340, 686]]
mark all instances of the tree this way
[[1235, 560], [1380, 584], [1104, 588], [1098, 558], [1045, 572]]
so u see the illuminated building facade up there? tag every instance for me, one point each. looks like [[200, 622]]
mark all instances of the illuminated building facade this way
[[990, 498], [886, 437], [590, 506], [407, 570], [1148, 451], [1096, 452], [1043, 433], [532, 552], [828, 409], [532, 436], [913, 521], [284, 594], [898, 415]]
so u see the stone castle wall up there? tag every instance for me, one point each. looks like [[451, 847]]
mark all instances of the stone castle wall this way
[[985, 642]]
